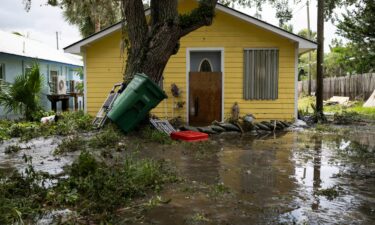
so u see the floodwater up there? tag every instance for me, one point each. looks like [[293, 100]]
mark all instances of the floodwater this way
[[41, 150], [303, 177], [277, 180]]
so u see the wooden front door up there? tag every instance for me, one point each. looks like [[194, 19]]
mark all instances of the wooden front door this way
[[205, 91]]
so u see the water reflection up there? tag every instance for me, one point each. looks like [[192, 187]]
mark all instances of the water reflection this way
[[317, 164]]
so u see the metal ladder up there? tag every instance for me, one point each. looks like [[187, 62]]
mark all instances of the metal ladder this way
[[163, 126], [101, 116]]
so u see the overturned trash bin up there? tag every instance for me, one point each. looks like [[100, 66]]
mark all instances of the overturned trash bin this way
[[133, 105]]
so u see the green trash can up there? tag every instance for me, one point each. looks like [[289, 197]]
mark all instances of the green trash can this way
[[135, 102]]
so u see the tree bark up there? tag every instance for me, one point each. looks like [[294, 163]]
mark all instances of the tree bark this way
[[320, 60], [150, 46]]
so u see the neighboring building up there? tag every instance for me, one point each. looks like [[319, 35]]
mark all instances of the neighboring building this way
[[237, 59], [18, 53]]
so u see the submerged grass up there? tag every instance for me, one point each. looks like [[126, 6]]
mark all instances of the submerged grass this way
[[92, 188], [70, 144]]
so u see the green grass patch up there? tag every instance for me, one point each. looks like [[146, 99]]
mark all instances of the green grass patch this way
[[106, 138], [343, 114], [156, 136]]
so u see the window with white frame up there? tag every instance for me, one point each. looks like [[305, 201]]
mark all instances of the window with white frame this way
[[2, 72], [261, 74], [53, 80]]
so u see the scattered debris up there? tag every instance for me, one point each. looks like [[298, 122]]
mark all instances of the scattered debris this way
[[370, 101], [49, 119], [162, 126], [235, 112], [189, 136], [337, 100], [330, 193]]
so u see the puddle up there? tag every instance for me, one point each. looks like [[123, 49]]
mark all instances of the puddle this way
[[41, 150], [278, 180]]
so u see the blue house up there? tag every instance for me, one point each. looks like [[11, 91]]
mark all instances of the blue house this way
[[17, 55]]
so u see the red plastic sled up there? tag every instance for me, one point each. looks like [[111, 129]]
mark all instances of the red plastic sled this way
[[189, 136]]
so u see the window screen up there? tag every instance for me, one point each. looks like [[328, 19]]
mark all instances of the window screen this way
[[261, 71]]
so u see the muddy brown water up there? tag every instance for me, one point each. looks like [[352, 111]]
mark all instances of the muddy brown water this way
[[277, 179]]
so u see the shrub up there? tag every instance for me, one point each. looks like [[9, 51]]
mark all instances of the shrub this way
[[23, 95]]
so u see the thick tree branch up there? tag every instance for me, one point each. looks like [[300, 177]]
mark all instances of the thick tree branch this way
[[201, 16], [136, 23], [163, 11]]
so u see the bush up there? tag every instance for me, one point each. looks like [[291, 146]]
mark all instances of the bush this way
[[23, 95]]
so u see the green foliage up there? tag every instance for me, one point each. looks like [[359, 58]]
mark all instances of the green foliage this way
[[12, 149], [287, 27], [70, 123], [342, 114], [357, 26], [21, 196], [330, 193], [23, 95], [305, 33], [218, 190], [107, 138], [92, 187], [96, 188], [91, 16], [70, 144], [156, 136]]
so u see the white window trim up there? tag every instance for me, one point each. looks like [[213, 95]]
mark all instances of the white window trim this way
[[3, 78]]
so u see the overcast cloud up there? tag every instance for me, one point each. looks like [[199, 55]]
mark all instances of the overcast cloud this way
[[42, 22]]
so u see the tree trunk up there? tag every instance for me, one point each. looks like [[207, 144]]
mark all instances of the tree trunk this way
[[320, 60], [150, 45]]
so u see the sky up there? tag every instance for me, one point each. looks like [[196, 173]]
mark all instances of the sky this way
[[42, 22]]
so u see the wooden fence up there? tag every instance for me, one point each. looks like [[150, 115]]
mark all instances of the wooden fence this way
[[358, 86]]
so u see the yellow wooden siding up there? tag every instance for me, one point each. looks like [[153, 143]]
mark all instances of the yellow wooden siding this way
[[105, 66]]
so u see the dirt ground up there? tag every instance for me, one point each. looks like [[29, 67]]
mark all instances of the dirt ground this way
[[313, 176]]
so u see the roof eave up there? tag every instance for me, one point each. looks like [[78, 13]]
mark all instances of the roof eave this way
[[77, 47]]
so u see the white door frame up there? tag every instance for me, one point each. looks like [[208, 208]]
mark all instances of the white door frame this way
[[213, 49]]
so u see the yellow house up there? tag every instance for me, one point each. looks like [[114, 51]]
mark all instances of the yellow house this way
[[238, 59]]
